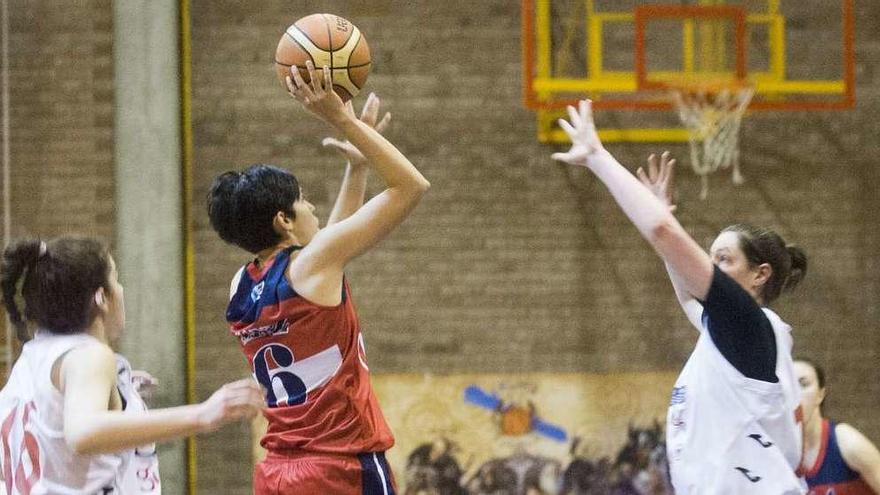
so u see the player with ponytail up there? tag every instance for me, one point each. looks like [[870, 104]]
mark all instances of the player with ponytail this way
[[733, 424], [72, 418]]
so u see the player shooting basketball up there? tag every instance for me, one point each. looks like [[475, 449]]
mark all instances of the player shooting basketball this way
[[291, 308]]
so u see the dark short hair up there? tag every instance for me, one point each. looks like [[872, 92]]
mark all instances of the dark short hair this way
[[789, 262], [60, 280], [242, 205]]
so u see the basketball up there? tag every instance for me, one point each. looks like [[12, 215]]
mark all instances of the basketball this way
[[330, 40]]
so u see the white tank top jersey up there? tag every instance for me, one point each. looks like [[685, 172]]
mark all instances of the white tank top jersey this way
[[35, 457], [730, 434]]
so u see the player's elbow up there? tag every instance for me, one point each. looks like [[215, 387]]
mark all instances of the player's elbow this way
[[665, 230], [81, 439], [80, 443], [421, 186], [414, 191]]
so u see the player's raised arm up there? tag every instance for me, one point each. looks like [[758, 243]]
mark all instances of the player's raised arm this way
[[342, 241], [650, 215], [354, 182], [659, 180]]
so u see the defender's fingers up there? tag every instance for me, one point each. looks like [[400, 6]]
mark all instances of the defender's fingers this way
[[571, 131], [670, 172], [586, 110], [573, 115], [653, 170]]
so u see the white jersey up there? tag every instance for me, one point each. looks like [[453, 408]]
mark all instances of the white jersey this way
[[35, 457], [142, 474], [730, 434]]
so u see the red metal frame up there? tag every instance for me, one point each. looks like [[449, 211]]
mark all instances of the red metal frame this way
[[645, 13]]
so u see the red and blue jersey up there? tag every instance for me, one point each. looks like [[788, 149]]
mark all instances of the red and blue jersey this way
[[830, 474], [310, 359]]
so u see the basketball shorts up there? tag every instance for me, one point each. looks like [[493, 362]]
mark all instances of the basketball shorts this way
[[330, 474]]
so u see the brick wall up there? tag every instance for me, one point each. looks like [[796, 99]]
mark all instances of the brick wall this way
[[61, 115], [512, 263], [61, 118]]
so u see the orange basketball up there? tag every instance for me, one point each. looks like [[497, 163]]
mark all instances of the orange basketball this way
[[330, 40]]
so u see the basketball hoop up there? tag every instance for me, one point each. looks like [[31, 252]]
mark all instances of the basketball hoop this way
[[712, 116]]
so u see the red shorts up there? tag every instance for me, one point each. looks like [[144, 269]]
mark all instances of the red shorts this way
[[324, 474]]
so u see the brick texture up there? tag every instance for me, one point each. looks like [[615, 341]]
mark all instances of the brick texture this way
[[512, 263], [61, 118]]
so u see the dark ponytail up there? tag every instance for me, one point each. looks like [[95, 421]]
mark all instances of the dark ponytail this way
[[18, 258], [798, 268], [58, 283], [789, 263]]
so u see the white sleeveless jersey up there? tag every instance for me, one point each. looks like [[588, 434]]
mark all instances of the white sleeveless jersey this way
[[730, 434], [35, 457], [141, 476]]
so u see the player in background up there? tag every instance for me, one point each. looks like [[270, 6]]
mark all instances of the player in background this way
[[732, 424], [838, 459], [291, 307], [71, 416]]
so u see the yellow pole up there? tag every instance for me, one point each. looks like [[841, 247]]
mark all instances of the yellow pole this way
[[188, 258], [688, 46]]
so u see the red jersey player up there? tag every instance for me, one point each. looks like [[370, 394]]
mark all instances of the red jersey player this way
[[291, 307], [839, 460]]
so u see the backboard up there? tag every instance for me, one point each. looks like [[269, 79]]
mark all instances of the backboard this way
[[798, 55]]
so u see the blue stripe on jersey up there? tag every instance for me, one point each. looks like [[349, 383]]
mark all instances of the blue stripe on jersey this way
[[251, 296], [375, 474], [834, 469]]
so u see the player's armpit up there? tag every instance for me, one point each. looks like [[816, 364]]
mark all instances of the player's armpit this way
[[692, 308], [740, 329]]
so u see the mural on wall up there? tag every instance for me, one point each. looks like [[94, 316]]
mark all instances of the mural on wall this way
[[527, 434]]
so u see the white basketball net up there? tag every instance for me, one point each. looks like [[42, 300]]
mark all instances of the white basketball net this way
[[713, 124]]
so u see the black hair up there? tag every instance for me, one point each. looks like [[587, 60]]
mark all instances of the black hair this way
[[242, 205], [789, 262], [60, 278]]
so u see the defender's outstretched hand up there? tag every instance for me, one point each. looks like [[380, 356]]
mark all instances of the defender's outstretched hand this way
[[659, 177], [317, 95], [242, 399], [585, 143], [369, 116]]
